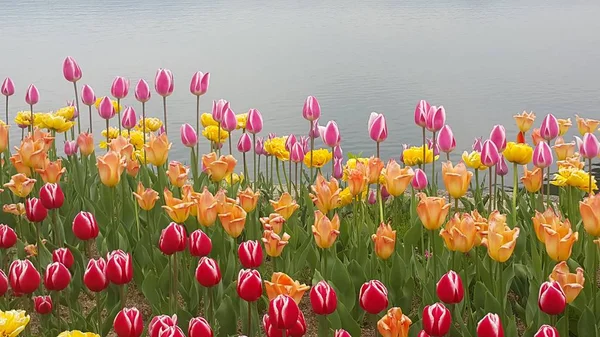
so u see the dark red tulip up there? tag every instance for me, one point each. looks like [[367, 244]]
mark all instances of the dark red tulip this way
[[42, 304], [52, 196], [173, 239], [8, 237], [23, 277], [57, 276], [64, 256], [373, 297], [200, 243], [85, 226], [450, 288], [283, 312], [547, 331], [270, 329], [251, 254], [119, 268], [128, 323], [3, 283], [94, 277], [34, 210], [342, 333], [423, 334], [323, 298], [490, 326], [552, 299], [436, 320], [172, 331], [159, 323], [208, 273], [199, 327], [299, 329], [249, 285]]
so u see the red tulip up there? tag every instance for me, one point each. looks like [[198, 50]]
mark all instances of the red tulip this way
[[8, 237], [142, 91], [94, 277], [128, 323], [199, 327], [173, 239], [299, 329], [199, 83], [64, 256], [208, 273], [552, 299], [423, 334], [57, 276], [52, 196], [251, 254], [119, 268], [341, 333], [172, 331], [249, 285], [71, 70], [35, 211], [85, 226], [42, 304], [373, 297], [283, 312], [490, 326], [161, 322], [270, 329], [323, 298], [163, 82], [120, 87], [547, 331], [200, 243], [436, 320], [3, 283], [23, 277], [450, 288]]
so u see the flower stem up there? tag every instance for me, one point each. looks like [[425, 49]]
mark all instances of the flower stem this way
[[515, 192], [245, 168], [490, 182], [590, 176], [254, 161], [249, 318], [424, 150], [99, 311], [165, 112], [433, 182], [197, 127], [118, 115], [379, 194], [432, 239]]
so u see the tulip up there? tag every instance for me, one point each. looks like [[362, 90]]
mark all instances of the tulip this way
[[436, 320], [218, 108], [501, 167], [35, 210], [42, 304], [250, 254], [324, 230], [8, 237], [85, 143], [177, 174], [142, 91], [282, 284], [547, 331], [571, 284], [536, 137], [20, 185], [8, 87], [559, 241], [106, 110], [450, 289], [297, 153], [385, 241], [200, 243], [274, 244], [422, 333], [249, 285], [159, 323], [473, 160], [208, 273], [157, 149], [338, 170], [552, 299], [129, 120], [199, 327], [421, 113], [331, 134], [110, 167], [51, 196], [394, 323], [445, 140], [229, 121], [311, 110], [397, 179], [432, 211], [199, 83], [372, 199], [373, 297], [590, 214], [85, 226], [419, 181], [270, 329], [233, 220], [314, 131], [498, 137], [163, 82], [119, 267], [120, 87], [563, 126], [218, 168], [177, 209], [518, 153], [286, 206], [299, 328], [341, 333], [477, 145], [206, 208], [549, 129], [189, 137], [172, 331], [532, 180], [590, 147], [128, 323], [500, 240], [4, 137], [70, 148], [88, 97], [283, 312], [456, 179], [326, 194], [377, 127], [23, 277], [323, 299], [489, 154], [173, 239], [490, 326], [146, 197], [254, 123], [524, 121], [542, 155], [563, 150], [586, 125], [71, 70], [436, 118], [63, 256], [32, 96], [245, 143], [57, 276]]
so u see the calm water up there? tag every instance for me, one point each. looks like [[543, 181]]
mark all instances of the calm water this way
[[483, 62]]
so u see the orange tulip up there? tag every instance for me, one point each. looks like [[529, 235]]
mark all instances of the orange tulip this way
[[559, 240], [396, 178], [157, 149], [110, 167], [206, 208], [177, 173], [189, 195], [33, 153], [3, 137], [325, 230], [326, 194], [286, 206], [46, 137], [85, 141], [233, 220], [456, 179], [248, 199], [218, 168], [177, 209], [121, 146], [274, 222], [532, 180], [146, 197], [15, 209], [222, 201], [357, 179], [132, 167], [17, 163], [385, 241], [524, 120], [546, 219], [590, 214], [273, 243], [586, 125], [500, 240], [482, 224], [460, 233], [394, 324], [374, 167], [20, 185], [282, 284], [571, 284], [536, 137], [52, 171], [432, 211], [563, 150], [563, 126]]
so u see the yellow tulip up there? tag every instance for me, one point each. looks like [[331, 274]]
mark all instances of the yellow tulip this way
[[394, 324], [206, 119], [110, 167], [345, 198], [276, 147], [500, 240], [152, 124], [460, 233], [177, 173], [274, 222], [456, 179], [396, 178], [282, 284], [233, 220], [274, 244], [563, 150], [524, 120], [234, 178], [518, 153], [137, 138], [564, 125], [67, 112], [432, 211], [286, 206], [56, 123], [590, 214], [177, 209], [532, 180], [13, 322], [23, 118], [324, 230], [542, 220], [248, 199], [77, 333], [414, 155], [559, 240], [385, 241], [326, 194], [213, 134], [586, 125], [571, 284], [157, 149], [320, 157], [473, 160], [20, 185], [241, 121], [146, 197], [85, 141], [206, 208], [571, 176]]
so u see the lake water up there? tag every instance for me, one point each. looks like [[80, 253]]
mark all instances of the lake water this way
[[484, 61]]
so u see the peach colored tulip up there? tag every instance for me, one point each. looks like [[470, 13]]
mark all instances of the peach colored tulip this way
[[559, 240], [590, 214], [571, 284], [524, 120], [274, 222], [586, 125], [132, 167], [432, 211], [546, 219], [110, 167], [532, 180], [177, 209], [394, 324], [385, 241], [20, 185], [374, 167], [206, 208], [3, 137], [286, 206], [563, 150], [456, 179], [33, 152], [324, 230], [482, 224], [282, 284], [85, 141], [233, 220], [274, 244], [326, 194], [460, 233], [122, 146], [177, 173], [564, 125], [500, 240], [52, 171], [17, 163], [248, 199], [146, 197], [396, 178], [218, 168], [357, 179], [157, 149]]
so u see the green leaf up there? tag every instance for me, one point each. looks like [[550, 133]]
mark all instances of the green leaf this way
[[226, 317], [343, 284], [149, 289], [348, 322], [586, 327]]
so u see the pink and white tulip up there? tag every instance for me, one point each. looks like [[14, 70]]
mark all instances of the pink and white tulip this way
[[419, 181], [498, 136], [549, 129], [218, 108], [477, 145], [445, 140], [106, 110], [590, 147], [331, 134], [199, 83], [32, 96], [421, 113], [142, 91], [290, 141], [71, 147], [189, 138], [88, 97], [436, 118], [254, 123], [542, 155], [8, 87], [311, 110], [489, 153], [163, 82], [377, 127], [501, 167], [297, 153], [229, 121], [71, 70], [120, 87], [245, 143], [129, 119]]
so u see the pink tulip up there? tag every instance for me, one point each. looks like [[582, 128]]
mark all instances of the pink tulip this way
[[435, 147], [305, 142], [8, 87], [218, 108], [142, 91], [404, 147], [289, 142], [71, 147], [331, 134], [498, 136], [259, 146], [245, 143], [372, 198], [32, 96], [311, 110], [297, 153], [542, 155], [87, 95], [314, 131], [338, 168], [590, 147], [377, 127], [199, 83], [106, 110], [501, 167], [163, 82], [549, 129], [436, 118], [129, 119], [229, 121], [445, 140], [477, 145], [71, 70], [421, 113], [120, 87], [189, 137], [254, 123], [337, 152], [489, 153], [419, 181]]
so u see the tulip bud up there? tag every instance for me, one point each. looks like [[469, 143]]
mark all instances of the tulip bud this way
[[498, 137], [208, 273], [229, 122], [477, 146], [218, 108], [490, 326], [436, 118], [338, 168], [373, 297], [8, 237], [128, 323], [32, 96], [64, 256], [549, 129], [245, 143], [331, 134], [142, 91], [3, 283], [249, 285], [8, 87], [42, 304], [23, 277], [71, 70], [85, 226], [173, 239], [590, 146], [323, 299], [372, 199], [200, 243], [338, 153], [35, 210], [489, 154], [341, 333], [311, 110], [547, 331], [445, 140], [552, 299], [94, 277], [419, 181], [377, 127], [85, 143], [436, 320], [450, 288], [87, 95], [283, 312], [106, 110], [51, 196], [129, 119], [250, 254], [161, 322], [501, 167], [120, 87], [199, 327], [199, 83], [189, 137], [70, 147], [163, 82], [314, 131], [299, 329], [422, 333], [119, 267], [421, 113], [57, 276], [542, 155], [254, 123]]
